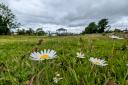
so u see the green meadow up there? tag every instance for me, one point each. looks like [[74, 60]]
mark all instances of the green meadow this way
[[17, 68]]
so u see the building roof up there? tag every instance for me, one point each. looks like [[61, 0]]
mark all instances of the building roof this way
[[61, 29]]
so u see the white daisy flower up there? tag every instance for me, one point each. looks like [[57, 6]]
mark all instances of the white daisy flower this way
[[42, 55], [97, 61], [57, 74], [127, 65], [56, 79], [115, 37], [80, 55]]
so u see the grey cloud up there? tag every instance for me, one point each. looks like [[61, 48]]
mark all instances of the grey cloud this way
[[68, 12]]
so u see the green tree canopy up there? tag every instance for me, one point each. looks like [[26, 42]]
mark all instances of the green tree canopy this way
[[7, 19], [91, 28], [102, 25], [40, 31], [96, 28], [30, 31]]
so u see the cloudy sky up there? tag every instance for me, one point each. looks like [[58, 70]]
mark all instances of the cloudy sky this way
[[71, 14]]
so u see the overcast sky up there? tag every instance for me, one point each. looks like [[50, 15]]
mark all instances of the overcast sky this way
[[69, 13]]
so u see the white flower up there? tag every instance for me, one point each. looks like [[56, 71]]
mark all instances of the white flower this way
[[80, 55], [56, 79], [127, 65], [97, 61], [115, 37], [42, 55], [58, 75]]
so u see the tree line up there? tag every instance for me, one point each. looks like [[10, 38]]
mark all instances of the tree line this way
[[30, 31]]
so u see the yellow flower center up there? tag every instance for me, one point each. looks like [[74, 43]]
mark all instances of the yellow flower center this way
[[96, 62], [45, 56]]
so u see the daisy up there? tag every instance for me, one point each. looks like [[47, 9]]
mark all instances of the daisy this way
[[126, 64], [80, 55], [57, 74], [115, 37], [42, 55], [97, 61], [56, 79]]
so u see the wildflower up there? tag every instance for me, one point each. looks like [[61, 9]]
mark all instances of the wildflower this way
[[42, 55], [97, 61], [115, 37], [57, 78], [127, 65], [57, 74], [80, 55]]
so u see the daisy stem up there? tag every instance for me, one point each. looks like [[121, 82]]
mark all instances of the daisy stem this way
[[34, 76], [113, 47]]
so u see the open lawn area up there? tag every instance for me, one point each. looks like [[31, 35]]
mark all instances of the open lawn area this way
[[18, 68]]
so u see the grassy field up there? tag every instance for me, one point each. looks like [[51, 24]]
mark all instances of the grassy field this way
[[16, 67]]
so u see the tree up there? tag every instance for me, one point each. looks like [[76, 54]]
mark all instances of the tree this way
[[117, 30], [40, 31], [7, 20], [102, 25], [91, 28], [21, 32], [30, 31]]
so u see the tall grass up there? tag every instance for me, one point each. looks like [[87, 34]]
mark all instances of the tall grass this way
[[16, 67]]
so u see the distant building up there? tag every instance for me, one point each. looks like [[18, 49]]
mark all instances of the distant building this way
[[61, 31], [15, 33], [53, 34]]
